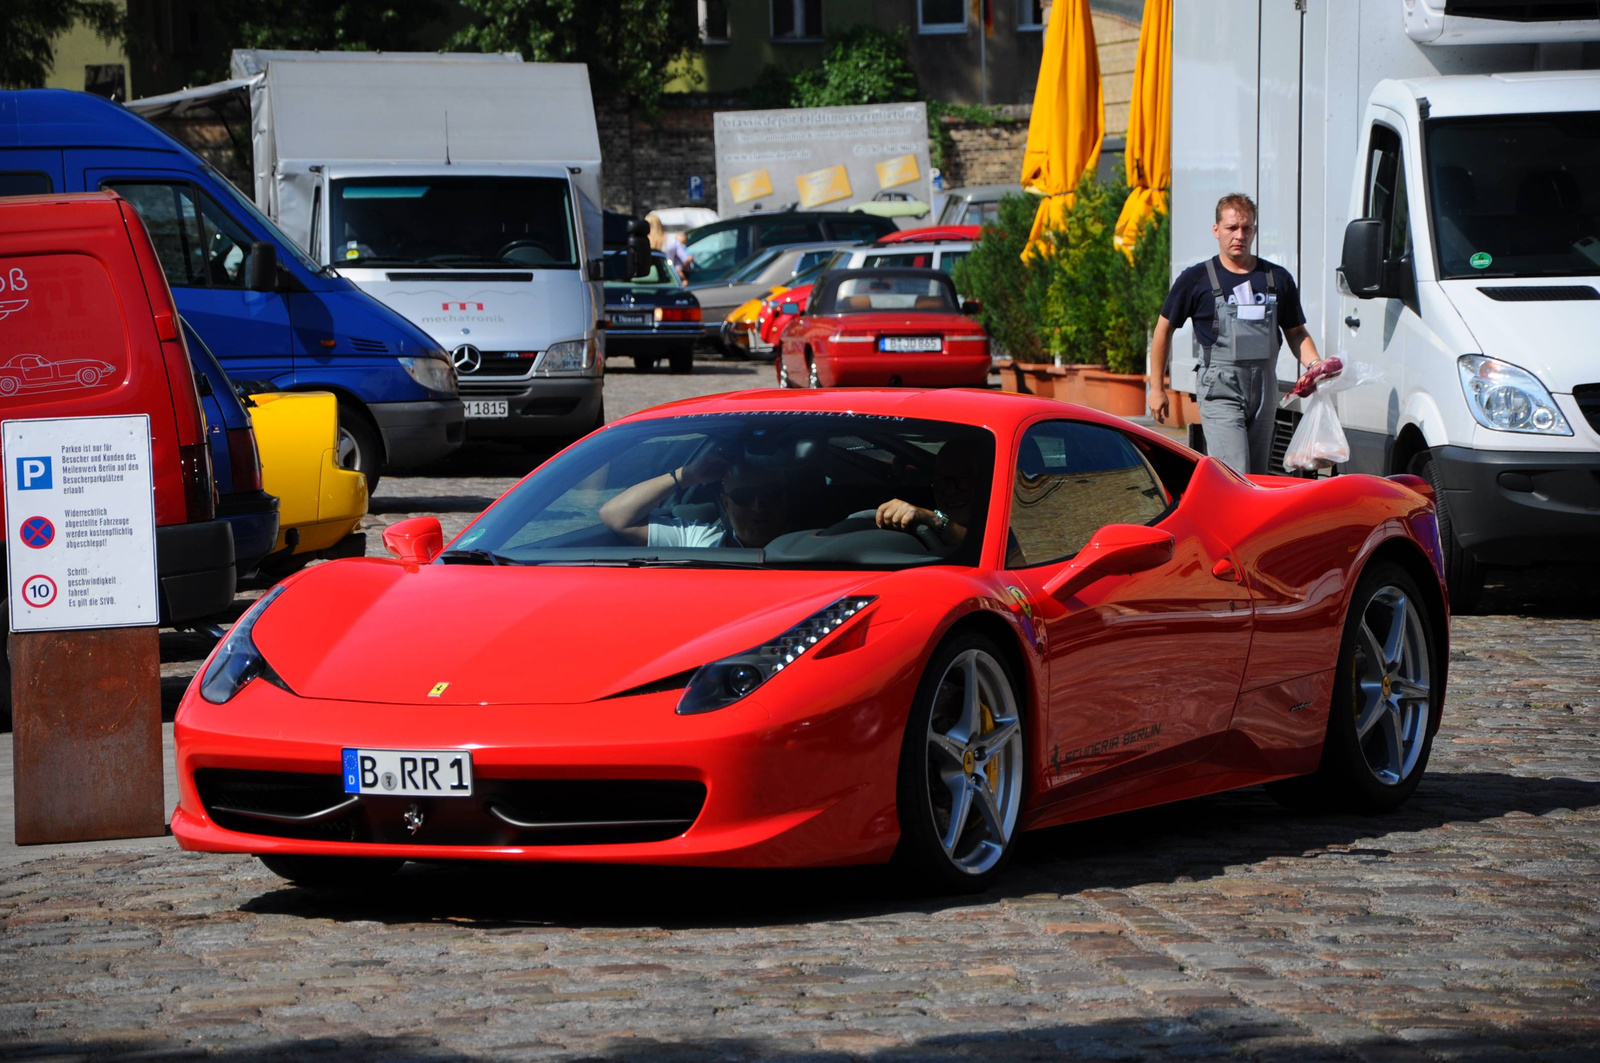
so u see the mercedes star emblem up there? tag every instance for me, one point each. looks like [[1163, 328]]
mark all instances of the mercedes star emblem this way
[[466, 358]]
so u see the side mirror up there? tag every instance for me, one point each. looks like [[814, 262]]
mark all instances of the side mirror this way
[[972, 306], [1115, 550], [597, 269], [792, 309], [261, 271], [638, 247], [1361, 261], [415, 540], [202, 384]]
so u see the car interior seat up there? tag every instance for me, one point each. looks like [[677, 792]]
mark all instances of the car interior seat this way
[[929, 302]]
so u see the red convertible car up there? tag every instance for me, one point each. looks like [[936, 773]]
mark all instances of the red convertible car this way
[[884, 327], [905, 625]]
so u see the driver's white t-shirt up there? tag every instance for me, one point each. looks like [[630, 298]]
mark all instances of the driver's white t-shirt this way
[[679, 532]]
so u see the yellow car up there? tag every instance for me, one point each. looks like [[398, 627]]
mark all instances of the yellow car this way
[[738, 327], [319, 503]]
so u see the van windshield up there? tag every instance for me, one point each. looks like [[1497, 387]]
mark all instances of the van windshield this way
[[453, 222], [1516, 195]]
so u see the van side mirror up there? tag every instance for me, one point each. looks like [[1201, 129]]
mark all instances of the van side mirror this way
[[1115, 550], [638, 248], [1361, 261], [597, 269], [261, 270], [416, 540]]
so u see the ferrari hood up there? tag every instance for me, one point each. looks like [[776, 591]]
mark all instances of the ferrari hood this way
[[1543, 334], [372, 630]]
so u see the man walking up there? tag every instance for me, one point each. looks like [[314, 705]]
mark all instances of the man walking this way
[[1239, 305]]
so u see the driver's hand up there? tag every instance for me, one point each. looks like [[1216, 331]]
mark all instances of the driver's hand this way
[[706, 467], [1156, 398], [899, 515]]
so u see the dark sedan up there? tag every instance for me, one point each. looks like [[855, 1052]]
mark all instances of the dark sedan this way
[[651, 316]]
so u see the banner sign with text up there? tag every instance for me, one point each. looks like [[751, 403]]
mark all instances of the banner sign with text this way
[[822, 158], [80, 523]]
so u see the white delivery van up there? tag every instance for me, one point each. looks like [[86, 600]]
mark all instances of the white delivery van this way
[[1450, 164], [461, 190]]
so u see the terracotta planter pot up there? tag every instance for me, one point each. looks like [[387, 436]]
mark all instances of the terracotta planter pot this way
[[1120, 393], [1182, 409], [1064, 383]]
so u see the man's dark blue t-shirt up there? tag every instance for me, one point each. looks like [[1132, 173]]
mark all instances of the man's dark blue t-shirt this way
[[1190, 297]]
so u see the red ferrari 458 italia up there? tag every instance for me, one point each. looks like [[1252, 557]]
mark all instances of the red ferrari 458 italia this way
[[798, 629], [884, 328]]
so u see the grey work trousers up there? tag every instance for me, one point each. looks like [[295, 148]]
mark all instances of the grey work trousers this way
[[1236, 410]]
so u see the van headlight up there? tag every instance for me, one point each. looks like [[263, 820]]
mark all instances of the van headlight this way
[[435, 374], [237, 661], [571, 356], [721, 683], [1506, 398]]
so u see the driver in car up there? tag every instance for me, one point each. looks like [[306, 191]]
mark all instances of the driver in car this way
[[752, 506], [957, 471]]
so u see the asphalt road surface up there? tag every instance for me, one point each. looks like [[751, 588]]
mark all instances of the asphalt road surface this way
[[1464, 926]]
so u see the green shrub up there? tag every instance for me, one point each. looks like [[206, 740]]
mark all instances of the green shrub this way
[[1081, 301]]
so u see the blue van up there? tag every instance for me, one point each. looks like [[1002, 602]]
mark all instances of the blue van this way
[[235, 462], [263, 307]]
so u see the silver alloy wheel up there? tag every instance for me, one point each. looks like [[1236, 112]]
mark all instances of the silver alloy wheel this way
[[974, 742], [1390, 685], [813, 380], [349, 452]]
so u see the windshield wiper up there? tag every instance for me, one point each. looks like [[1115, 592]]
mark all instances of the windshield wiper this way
[[475, 557], [378, 261], [648, 562], [476, 260]]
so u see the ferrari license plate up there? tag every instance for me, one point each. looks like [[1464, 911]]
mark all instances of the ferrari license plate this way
[[910, 344], [408, 772], [481, 408], [630, 319]]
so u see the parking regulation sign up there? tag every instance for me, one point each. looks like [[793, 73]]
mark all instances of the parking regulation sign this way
[[80, 523]]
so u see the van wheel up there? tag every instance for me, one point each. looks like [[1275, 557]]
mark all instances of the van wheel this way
[[1463, 573], [682, 360], [359, 448], [644, 363]]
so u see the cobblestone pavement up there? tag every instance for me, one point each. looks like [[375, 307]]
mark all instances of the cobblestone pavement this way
[[1462, 927]]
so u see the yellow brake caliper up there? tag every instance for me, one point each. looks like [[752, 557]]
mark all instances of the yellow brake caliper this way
[[991, 769]]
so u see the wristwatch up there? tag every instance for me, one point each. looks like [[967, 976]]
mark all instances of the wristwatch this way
[[941, 520]]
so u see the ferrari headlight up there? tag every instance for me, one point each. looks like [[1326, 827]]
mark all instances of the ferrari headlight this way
[[1508, 399], [721, 683], [435, 374], [237, 661], [571, 356]]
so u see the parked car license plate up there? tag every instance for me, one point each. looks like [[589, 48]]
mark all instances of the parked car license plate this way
[[486, 408], [408, 772], [908, 344], [630, 319]]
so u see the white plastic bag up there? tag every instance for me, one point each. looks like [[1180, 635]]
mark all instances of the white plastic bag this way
[[1319, 441]]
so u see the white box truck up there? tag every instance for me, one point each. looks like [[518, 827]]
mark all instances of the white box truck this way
[[1429, 170], [464, 192]]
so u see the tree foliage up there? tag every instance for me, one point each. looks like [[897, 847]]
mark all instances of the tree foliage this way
[[28, 29], [862, 64], [343, 25], [629, 45]]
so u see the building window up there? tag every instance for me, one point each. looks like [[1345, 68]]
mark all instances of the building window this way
[[713, 21], [941, 16], [1030, 14], [796, 20]]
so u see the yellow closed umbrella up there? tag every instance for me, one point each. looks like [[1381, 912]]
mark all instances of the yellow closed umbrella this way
[[1149, 151], [1068, 120]]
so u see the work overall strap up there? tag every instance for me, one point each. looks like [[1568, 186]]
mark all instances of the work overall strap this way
[[1219, 303]]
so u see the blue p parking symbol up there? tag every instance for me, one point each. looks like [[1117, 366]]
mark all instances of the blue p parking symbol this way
[[33, 474]]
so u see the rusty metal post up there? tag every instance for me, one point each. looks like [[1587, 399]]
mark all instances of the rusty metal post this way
[[86, 734]]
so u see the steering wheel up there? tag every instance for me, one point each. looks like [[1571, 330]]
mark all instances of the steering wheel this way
[[920, 531], [517, 244]]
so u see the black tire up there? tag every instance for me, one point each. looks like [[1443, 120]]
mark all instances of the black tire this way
[[644, 363], [360, 447], [1381, 720], [1463, 573], [682, 360], [953, 756], [335, 872]]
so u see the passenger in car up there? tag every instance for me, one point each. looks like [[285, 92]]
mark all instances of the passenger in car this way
[[752, 506], [957, 475]]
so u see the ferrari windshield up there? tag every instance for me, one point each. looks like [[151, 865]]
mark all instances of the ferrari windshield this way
[[1516, 195], [759, 490], [453, 222]]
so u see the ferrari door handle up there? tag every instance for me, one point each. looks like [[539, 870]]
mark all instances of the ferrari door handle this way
[[1226, 570], [1352, 321]]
